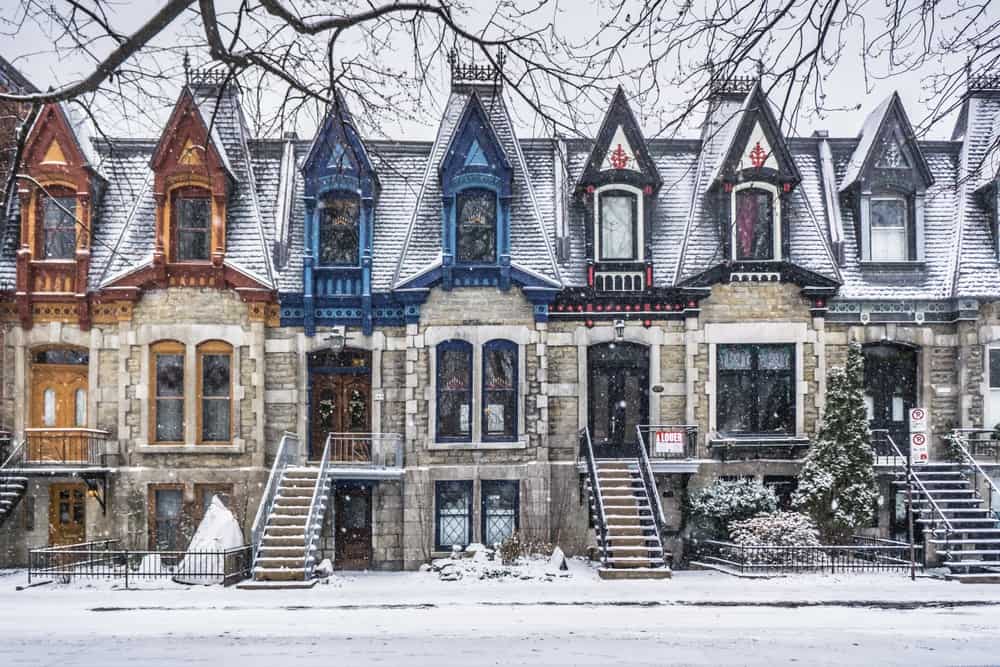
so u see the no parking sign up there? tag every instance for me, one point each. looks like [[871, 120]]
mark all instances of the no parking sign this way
[[918, 420], [918, 449]]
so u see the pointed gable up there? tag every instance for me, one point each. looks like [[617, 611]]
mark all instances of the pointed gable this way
[[887, 143], [619, 154], [337, 157], [757, 147], [58, 140], [475, 149], [187, 146]]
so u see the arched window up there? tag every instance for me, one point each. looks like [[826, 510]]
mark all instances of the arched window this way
[[191, 210], [618, 237], [57, 213], [215, 391], [454, 391], [339, 230], [476, 233], [890, 237], [167, 406], [754, 224], [500, 390]]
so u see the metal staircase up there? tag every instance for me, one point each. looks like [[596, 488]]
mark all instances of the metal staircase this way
[[13, 484], [627, 524]]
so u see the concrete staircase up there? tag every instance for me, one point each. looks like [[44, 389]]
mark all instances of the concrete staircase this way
[[633, 549], [282, 556], [971, 549]]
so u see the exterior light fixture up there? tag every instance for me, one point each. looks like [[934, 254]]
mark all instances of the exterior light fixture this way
[[619, 330], [335, 341]]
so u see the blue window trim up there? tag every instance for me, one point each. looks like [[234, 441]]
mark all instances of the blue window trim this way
[[484, 489], [360, 228], [439, 486], [511, 346], [442, 347]]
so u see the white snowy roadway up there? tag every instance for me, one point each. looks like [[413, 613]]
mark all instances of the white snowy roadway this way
[[413, 619]]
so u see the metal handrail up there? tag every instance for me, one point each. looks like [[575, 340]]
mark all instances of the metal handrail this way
[[365, 448], [282, 458], [912, 475], [991, 443], [649, 482], [312, 531], [66, 446], [16, 451], [595, 486], [979, 471]]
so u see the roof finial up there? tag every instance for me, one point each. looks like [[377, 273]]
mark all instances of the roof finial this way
[[187, 67], [760, 69]]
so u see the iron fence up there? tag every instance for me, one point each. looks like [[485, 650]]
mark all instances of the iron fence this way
[[868, 554], [102, 559]]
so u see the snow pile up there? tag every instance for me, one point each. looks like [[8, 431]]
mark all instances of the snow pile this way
[[479, 562], [218, 531]]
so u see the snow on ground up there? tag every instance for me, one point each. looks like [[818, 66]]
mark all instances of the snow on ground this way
[[404, 618]]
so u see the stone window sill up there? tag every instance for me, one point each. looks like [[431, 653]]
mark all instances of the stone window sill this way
[[238, 447], [476, 446], [905, 265]]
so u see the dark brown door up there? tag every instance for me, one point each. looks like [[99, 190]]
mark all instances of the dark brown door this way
[[353, 528], [67, 514], [341, 403]]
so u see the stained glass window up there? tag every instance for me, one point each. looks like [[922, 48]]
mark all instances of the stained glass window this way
[[216, 388], [338, 231], [454, 390], [168, 392], [499, 390], [193, 215], [453, 513], [500, 500], [58, 227], [754, 225], [477, 226], [618, 225], [889, 238], [755, 390]]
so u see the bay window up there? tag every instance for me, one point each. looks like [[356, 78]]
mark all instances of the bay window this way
[[454, 391], [755, 390], [499, 402], [476, 228], [339, 234], [754, 224]]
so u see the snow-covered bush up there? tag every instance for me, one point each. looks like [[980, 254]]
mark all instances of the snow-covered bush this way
[[510, 549], [953, 443], [779, 529], [720, 503]]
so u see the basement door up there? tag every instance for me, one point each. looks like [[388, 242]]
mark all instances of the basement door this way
[[353, 526], [67, 514]]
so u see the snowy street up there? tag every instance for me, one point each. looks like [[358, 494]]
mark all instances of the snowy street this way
[[412, 618]]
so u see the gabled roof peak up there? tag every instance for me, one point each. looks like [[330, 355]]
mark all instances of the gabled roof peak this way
[[620, 154], [338, 147]]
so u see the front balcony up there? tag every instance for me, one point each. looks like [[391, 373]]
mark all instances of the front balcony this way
[[365, 455], [69, 447]]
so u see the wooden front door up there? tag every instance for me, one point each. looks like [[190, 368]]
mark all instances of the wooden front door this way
[[353, 527], [341, 403], [58, 401], [67, 514]]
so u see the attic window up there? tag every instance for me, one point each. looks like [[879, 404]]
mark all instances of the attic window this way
[[58, 227], [889, 236], [617, 222], [476, 239], [338, 231], [192, 222], [754, 223]]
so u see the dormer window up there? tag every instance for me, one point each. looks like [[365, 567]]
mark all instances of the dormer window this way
[[756, 234], [889, 229], [338, 230], [476, 240], [618, 233], [192, 213], [58, 237]]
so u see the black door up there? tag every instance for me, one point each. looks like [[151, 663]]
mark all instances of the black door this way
[[890, 391], [353, 541], [618, 394]]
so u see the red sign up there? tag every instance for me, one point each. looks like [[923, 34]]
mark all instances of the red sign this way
[[669, 442]]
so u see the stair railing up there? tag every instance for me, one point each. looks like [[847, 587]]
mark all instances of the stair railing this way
[[978, 474], [314, 531], [595, 487], [653, 493], [288, 451]]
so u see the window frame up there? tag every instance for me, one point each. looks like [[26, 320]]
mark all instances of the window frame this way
[[324, 203], [635, 199], [439, 486], [172, 348], [189, 192], [510, 347], [213, 348], [756, 375], [457, 216], [776, 238], [909, 241], [183, 519], [484, 490], [440, 349], [56, 192]]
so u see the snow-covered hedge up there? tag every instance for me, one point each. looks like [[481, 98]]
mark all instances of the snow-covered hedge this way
[[779, 529], [722, 502]]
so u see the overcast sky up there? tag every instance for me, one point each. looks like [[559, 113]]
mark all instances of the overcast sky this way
[[26, 48]]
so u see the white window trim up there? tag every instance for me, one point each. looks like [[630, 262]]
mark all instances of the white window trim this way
[[990, 416], [906, 226], [775, 220], [477, 337], [640, 240]]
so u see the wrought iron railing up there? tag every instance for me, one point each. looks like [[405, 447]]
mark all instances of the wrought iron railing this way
[[978, 475], [104, 559], [68, 446], [652, 492], [587, 449], [383, 450], [287, 454], [314, 522], [669, 441], [867, 555], [980, 443]]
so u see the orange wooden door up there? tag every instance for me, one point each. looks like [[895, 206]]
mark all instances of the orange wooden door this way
[[58, 401], [67, 514]]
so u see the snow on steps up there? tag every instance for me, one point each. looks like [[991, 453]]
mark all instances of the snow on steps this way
[[281, 559]]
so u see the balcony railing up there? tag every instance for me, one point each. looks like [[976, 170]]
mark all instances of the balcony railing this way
[[669, 441], [382, 450], [980, 443], [69, 446]]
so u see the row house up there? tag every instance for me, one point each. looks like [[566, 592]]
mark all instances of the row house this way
[[447, 335]]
